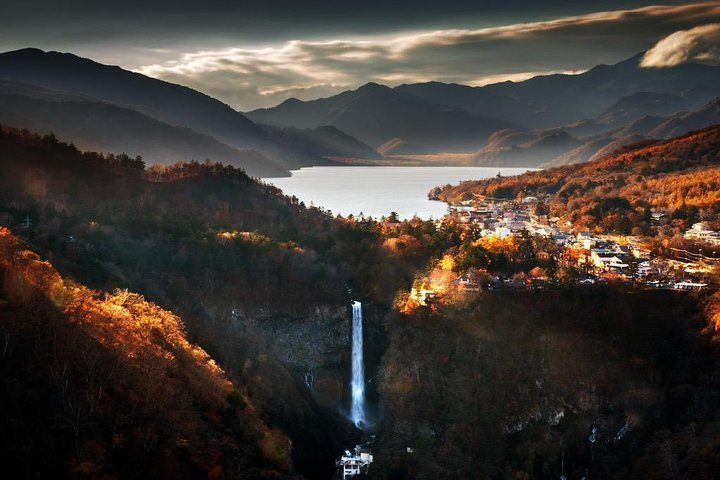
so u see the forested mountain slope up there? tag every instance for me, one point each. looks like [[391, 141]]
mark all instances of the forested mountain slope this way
[[249, 270], [107, 385], [618, 192]]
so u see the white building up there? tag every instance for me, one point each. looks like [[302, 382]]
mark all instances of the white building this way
[[700, 231], [546, 231], [685, 285], [606, 261], [469, 282], [354, 463], [658, 217], [646, 269], [502, 232]]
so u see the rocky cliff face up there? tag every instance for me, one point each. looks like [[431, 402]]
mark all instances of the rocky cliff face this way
[[306, 337], [298, 358], [313, 341]]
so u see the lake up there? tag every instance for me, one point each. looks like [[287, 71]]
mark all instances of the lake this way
[[377, 191]]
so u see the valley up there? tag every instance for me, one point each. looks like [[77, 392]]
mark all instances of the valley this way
[[403, 249], [265, 293]]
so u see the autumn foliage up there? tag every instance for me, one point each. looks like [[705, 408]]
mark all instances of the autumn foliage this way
[[113, 387], [618, 192]]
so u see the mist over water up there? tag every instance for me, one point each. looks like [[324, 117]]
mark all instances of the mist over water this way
[[377, 191]]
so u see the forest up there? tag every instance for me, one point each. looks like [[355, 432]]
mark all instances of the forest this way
[[512, 385], [99, 385], [617, 193], [208, 243], [189, 321]]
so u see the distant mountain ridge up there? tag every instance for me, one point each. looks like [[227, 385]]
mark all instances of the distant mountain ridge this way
[[435, 117], [99, 126], [522, 149], [323, 141], [376, 114], [547, 120], [554, 100], [170, 103], [210, 127], [644, 128], [598, 137], [687, 121]]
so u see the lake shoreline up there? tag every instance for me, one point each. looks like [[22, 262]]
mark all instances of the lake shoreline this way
[[376, 191]]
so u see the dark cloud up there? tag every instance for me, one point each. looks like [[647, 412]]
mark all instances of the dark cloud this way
[[257, 53], [253, 77], [86, 24]]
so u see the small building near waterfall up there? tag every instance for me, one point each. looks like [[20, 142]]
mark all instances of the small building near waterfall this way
[[355, 462]]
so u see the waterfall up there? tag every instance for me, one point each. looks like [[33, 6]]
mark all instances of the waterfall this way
[[357, 409]]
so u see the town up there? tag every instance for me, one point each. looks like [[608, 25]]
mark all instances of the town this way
[[597, 258]]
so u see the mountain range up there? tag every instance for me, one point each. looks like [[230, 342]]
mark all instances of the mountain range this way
[[591, 140], [96, 125], [376, 114], [111, 109], [547, 120], [437, 117]]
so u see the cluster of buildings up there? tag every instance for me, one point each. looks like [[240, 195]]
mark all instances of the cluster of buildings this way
[[503, 218], [603, 255], [596, 255]]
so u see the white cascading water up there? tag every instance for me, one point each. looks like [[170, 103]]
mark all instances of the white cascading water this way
[[357, 408]]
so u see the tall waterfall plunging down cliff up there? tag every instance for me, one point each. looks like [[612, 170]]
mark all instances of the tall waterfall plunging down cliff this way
[[357, 408]]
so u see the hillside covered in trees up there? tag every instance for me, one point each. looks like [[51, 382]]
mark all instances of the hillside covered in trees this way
[[107, 385], [106, 215], [617, 193], [260, 280], [513, 385], [131, 297]]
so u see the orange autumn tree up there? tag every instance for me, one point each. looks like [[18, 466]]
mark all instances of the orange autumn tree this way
[[498, 244], [129, 380]]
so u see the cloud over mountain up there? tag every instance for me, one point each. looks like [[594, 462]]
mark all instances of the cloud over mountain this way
[[696, 44], [250, 77]]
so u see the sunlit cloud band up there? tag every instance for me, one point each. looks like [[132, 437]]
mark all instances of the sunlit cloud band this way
[[252, 77]]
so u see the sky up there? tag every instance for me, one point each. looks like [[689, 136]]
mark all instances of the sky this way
[[258, 54]]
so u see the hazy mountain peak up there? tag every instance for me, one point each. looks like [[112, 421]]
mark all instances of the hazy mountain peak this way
[[713, 104], [291, 101], [372, 87], [172, 104], [24, 52]]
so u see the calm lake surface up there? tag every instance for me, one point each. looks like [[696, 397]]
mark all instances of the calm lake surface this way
[[377, 191]]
